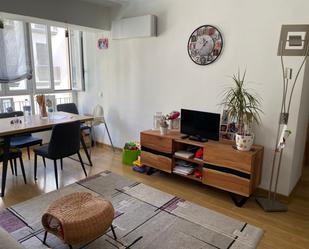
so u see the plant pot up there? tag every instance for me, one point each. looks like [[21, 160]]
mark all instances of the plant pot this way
[[163, 130], [244, 142]]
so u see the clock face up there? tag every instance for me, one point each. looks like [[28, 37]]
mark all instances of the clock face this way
[[205, 45]]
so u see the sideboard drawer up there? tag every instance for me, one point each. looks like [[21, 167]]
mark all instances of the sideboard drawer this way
[[226, 181], [224, 155], [158, 143], [156, 161]]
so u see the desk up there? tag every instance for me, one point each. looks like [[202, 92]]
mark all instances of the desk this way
[[36, 124]]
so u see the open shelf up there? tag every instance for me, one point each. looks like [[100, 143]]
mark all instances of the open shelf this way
[[191, 160], [192, 177]]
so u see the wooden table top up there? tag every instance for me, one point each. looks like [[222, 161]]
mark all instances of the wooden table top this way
[[37, 124]]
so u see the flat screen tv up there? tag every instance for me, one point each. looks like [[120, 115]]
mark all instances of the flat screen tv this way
[[200, 125]]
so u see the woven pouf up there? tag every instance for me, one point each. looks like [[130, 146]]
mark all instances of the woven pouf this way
[[78, 218]]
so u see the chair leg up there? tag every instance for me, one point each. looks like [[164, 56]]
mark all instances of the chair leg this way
[[56, 172], [82, 163], [109, 136], [28, 152], [45, 237], [35, 165], [15, 166], [12, 168], [113, 231], [85, 148], [44, 162], [22, 169], [61, 163]]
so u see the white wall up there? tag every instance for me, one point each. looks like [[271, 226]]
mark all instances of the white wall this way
[[301, 137], [141, 76], [66, 11]]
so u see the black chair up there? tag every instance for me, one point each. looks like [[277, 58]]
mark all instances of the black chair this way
[[24, 141], [72, 108], [64, 142], [14, 154]]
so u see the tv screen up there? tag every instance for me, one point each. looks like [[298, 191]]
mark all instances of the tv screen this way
[[200, 124]]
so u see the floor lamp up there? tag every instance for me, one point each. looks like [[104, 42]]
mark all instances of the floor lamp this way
[[295, 40]]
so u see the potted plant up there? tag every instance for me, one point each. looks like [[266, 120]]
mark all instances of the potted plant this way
[[243, 107], [163, 125]]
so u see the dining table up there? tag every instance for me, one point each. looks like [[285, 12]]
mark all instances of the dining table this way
[[10, 127]]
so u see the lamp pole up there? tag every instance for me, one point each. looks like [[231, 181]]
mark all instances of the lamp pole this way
[[271, 204]]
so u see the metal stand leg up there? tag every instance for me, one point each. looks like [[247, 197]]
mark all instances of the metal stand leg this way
[[45, 237], [85, 148], [56, 172], [61, 163], [44, 162], [113, 231], [35, 166], [109, 136], [82, 163], [270, 204]]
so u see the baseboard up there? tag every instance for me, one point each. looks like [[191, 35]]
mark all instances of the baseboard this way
[[107, 146]]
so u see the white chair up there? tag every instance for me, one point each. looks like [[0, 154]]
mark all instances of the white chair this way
[[98, 119]]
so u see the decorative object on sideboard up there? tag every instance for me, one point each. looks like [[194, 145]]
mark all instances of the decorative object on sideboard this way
[[242, 107], [228, 129], [294, 41], [205, 45], [42, 106], [163, 125], [156, 120], [174, 120]]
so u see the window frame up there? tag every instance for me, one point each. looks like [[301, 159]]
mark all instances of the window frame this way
[[31, 88], [51, 89]]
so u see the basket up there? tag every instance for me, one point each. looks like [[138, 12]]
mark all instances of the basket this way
[[129, 156]]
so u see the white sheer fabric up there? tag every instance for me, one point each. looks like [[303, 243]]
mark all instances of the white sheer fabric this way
[[14, 57]]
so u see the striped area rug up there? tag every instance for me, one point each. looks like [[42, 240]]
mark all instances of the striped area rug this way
[[146, 218]]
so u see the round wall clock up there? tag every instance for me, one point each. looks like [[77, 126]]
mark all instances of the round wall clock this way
[[205, 45]]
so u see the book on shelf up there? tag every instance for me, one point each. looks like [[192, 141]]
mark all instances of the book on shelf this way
[[184, 154], [183, 170]]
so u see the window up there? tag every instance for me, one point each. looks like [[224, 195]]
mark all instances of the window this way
[[56, 55], [18, 86], [76, 59], [41, 58], [60, 55], [13, 103]]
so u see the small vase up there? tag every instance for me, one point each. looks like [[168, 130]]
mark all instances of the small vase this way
[[244, 142], [163, 130]]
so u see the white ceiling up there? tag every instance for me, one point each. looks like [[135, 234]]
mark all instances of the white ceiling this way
[[106, 2]]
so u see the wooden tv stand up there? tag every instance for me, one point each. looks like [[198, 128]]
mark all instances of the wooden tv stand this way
[[222, 166]]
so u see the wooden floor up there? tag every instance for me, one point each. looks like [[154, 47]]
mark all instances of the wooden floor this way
[[282, 230]]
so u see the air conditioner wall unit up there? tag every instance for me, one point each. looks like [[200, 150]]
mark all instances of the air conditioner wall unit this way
[[135, 27]]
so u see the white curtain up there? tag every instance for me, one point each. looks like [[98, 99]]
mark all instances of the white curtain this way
[[14, 55]]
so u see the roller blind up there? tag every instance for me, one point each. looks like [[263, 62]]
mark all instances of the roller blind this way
[[14, 53]]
